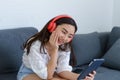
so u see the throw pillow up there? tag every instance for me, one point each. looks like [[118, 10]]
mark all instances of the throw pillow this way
[[112, 57], [86, 47], [114, 35]]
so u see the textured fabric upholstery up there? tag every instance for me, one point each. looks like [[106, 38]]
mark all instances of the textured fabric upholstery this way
[[11, 50], [86, 47]]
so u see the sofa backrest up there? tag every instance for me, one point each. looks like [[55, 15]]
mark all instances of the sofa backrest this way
[[11, 50], [103, 41], [88, 46]]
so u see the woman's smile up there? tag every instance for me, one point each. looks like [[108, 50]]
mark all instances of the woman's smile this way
[[60, 41]]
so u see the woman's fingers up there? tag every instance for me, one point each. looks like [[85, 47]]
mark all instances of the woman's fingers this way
[[90, 76], [54, 39]]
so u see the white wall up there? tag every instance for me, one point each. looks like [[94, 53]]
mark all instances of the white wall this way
[[116, 13], [90, 15]]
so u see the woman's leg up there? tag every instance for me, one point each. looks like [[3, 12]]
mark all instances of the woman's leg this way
[[32, 77], [35, 77], [56, 77]]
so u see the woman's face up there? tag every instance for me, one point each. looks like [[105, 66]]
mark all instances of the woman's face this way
[[65, 32]]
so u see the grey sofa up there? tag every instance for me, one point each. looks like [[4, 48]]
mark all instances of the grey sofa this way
[[11, 50], [86, 47], [99, 45]]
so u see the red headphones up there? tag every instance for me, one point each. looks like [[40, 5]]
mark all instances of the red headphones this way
[[52, 25]]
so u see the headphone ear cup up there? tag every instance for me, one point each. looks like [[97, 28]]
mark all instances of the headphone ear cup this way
[[51, 27]]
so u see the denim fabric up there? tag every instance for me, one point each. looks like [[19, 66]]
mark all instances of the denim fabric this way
[[24, 71]]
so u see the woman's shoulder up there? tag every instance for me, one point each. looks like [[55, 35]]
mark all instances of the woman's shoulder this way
[[36, 43]]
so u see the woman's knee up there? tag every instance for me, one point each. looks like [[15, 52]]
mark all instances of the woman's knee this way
[[32, 77]]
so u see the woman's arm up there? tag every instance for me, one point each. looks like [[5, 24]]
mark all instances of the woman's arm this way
[[52, 49], [69, 75], [73, 76], [64, 69], [52, 65]]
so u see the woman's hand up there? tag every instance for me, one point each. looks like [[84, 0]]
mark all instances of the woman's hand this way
[[53, 43], [91, 76], [54, 40]]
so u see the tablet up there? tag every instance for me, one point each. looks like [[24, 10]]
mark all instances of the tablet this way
[[94, 64]]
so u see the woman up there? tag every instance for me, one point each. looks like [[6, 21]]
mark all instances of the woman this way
[[47, 53]]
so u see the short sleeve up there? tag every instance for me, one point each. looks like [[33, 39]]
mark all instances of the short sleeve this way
[[63, 62]]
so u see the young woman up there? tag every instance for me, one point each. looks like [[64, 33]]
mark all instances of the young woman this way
[[47, 53]]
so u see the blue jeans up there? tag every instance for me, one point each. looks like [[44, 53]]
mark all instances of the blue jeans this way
[[24, 71]]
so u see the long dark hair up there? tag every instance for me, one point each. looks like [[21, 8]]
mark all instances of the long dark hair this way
[[44, 35]]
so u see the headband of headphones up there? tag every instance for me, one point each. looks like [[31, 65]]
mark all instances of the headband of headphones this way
[[52, 25]]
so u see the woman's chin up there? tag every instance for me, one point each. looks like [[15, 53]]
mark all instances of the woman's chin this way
[[60, 44]]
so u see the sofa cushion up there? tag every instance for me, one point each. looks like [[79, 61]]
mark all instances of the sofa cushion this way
[[112, 57], [114, 35], [8, 76], [86, 47], [11, 42], [104, 73]]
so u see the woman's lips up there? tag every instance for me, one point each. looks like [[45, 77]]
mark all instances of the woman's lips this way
[[60, 42]]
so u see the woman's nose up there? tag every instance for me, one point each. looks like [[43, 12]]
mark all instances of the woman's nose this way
[[65, 38]]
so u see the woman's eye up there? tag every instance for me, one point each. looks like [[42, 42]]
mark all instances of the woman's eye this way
[[63, 32], [70, 36]]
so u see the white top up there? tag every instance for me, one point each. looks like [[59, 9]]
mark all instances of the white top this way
[[38, 61]]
